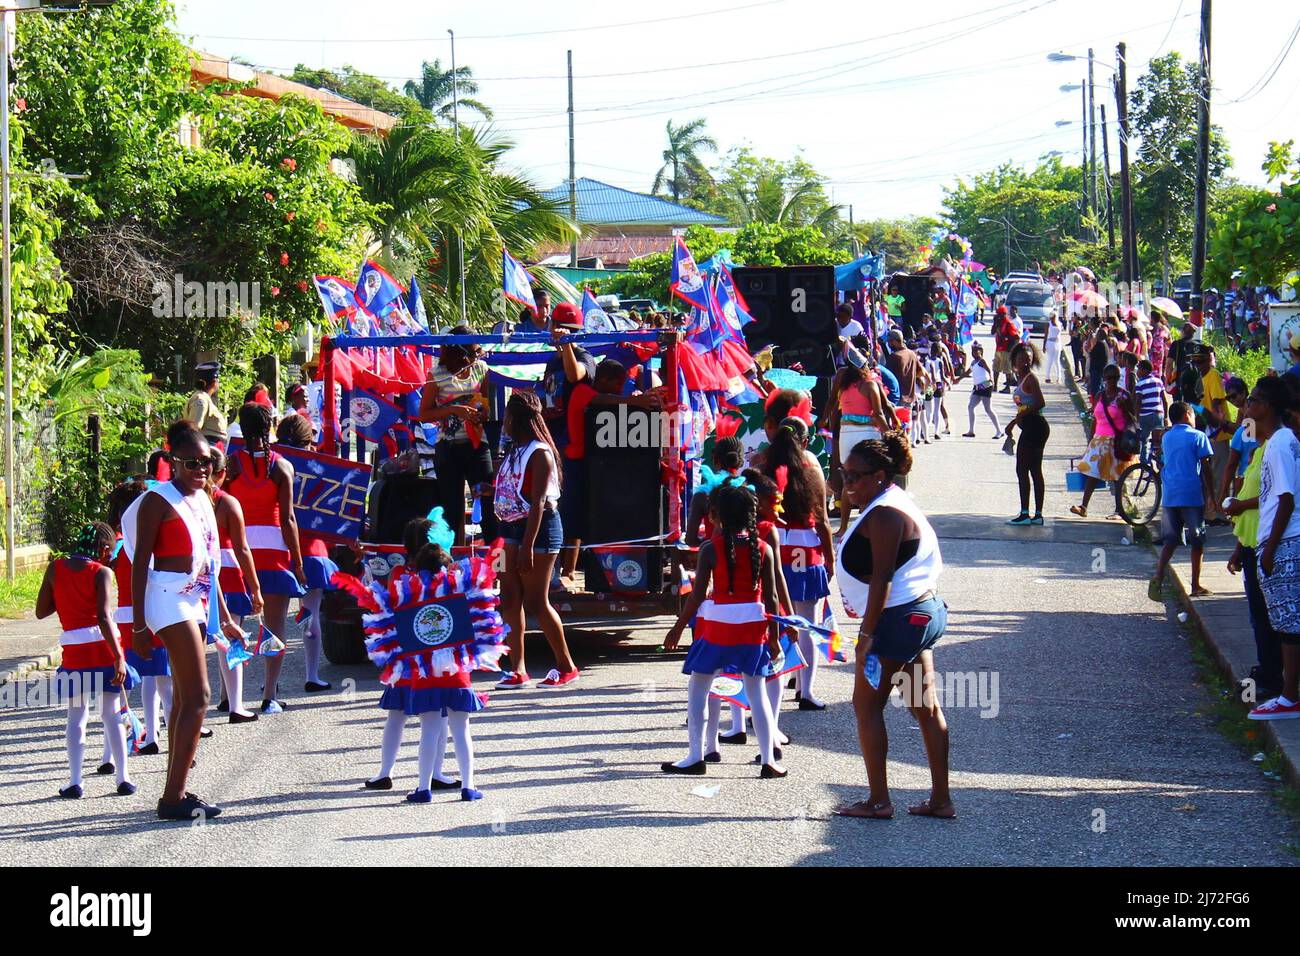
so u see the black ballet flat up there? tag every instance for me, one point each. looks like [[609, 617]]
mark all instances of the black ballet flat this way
[[71, 792], [149, 750], [243, 718], [205, 733], [737, 738], [809, 705], [316, 686], [697, 769], [776, 755], [771, 773], [791, 684], [714, 757], [383, 783], [223, 706], [105, 769], [449, 785]]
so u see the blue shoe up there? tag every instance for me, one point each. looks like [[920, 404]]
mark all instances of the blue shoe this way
[[72, 792], [126, 789], [1021, 519], [469, 793], [272, 707], [1036, 519], [419, 796]]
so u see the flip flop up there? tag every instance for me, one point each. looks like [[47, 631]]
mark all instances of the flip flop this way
[[923, 810], [863, 810], [1154, 588]]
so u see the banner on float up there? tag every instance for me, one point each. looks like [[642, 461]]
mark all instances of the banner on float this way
[[329, 494]]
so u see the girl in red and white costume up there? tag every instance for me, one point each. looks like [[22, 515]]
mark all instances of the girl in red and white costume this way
[[170, 535], [238, 583], [155, 672], [77, 589], [732, 631], [262, 482]]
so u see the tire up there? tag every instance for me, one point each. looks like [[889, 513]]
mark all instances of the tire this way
[[1137, 497], [341, 635]]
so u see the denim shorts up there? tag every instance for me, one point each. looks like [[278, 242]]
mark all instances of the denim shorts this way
[[903, 632], [550, 533], [1185, 524]]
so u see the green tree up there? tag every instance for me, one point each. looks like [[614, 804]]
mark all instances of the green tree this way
[[354, 85], [1163, 116], [898, 239], [1041, 205], [434, 90], [683, 173], [762, 189], [1259, 232]]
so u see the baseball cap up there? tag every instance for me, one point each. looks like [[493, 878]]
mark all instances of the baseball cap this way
[[567, 315]]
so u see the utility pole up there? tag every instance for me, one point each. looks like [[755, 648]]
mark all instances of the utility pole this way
[[1105, 178], [1092, 146], [460, 235], [1202, 168], [1131, 272], [10, 470], [853, 232], [1083, 209], [573, 182]]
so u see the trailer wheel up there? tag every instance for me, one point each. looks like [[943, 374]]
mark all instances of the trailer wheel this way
[[343, 642]]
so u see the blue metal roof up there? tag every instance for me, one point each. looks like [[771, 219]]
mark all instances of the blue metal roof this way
[[600, 204]]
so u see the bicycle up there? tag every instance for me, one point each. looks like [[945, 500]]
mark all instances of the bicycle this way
[[1137, 492]]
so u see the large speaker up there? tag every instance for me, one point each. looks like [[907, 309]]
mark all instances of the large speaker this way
[[916, 300], [626, 499], [394, 502], [794, 309]]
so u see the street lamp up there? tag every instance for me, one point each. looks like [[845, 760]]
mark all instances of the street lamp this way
[[1007, 223], [1060, 123]]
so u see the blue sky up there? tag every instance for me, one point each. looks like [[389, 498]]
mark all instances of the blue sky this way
[[888, 101]]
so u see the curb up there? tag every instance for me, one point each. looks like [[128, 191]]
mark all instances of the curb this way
[[46, 661], [1290, 761]]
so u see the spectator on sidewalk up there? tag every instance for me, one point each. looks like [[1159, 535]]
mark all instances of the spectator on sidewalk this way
[[1216, 417], [1240, 446], [1005, 338], [1185, 484], [1279, 536], [1151, 405], [1244, 509]]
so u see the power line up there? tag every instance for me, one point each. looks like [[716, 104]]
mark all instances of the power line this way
[[498, 36], [1266, 78]]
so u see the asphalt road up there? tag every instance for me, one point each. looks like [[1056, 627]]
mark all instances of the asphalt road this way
[[1095, 751]]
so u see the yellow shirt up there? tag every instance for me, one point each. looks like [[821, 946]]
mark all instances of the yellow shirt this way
[[1246, 525], [205, 415], [1213, 384]]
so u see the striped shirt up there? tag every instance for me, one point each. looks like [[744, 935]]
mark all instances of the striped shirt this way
[[1149, 391]]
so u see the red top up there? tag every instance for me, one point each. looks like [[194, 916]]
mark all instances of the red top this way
[[576, 412], [122, 573], [173, 539], [224, 541], [74, 594], [313, 546], [745, 590], [256, 492]]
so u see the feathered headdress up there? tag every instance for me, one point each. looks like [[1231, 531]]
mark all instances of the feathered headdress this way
[[440, 532], [427, 625], [711, 480]]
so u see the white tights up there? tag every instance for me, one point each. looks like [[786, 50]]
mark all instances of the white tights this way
[[715, 719], [311, 634], [806, 677], [75, 735], [394, 724], [697, 706], [153, 689]]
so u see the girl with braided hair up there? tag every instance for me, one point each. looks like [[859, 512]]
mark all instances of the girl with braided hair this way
[[262, 482], [77, 588], [732, 631]]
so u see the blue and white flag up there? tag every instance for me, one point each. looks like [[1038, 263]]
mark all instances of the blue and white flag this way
[[594, 318], [372, 415], [515, 283], [378, 292], [338, 299], [415, 306], [687, 282]]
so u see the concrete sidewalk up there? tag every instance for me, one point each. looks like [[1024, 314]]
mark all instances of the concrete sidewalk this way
[[1223, 619], [26, 645]]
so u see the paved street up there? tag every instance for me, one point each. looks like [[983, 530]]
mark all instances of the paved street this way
[[1097, 709]]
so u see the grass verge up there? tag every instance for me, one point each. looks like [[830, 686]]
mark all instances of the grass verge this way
[[17, 598]]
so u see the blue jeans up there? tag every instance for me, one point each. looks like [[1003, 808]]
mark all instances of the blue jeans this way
[[1146, 425]]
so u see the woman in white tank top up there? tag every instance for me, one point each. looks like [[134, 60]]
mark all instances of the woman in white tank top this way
[[889, 574]]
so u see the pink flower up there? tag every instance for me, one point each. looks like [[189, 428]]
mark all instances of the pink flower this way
[[289, 163], [275, 290], [302, 285], [269, 197], [284, 258], [289, 216], [1271, 207]]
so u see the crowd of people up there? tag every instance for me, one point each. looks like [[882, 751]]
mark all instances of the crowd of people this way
[[209, 538]]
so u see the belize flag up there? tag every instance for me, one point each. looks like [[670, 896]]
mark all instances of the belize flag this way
[[515, 284], [372, 415], [594, 318], [732, 303], [415, 306], [338, 299], [378, 292], [967, 304], [731, 689], [687, 281], [268, 645]]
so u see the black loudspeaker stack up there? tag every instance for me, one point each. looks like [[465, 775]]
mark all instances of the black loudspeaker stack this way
[[793, 309]]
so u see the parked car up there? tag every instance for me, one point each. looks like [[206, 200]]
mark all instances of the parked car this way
[[1183, 291], [1034, 303], [1010, 282]]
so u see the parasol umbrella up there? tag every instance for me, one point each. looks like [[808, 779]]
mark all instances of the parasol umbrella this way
[[1086, 273], [1168, 306], [1094, 300]]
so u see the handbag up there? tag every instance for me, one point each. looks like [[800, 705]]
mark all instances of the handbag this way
[[1127, 442]]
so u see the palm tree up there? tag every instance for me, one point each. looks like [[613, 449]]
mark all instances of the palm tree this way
[[683, 170], [433, 91], [771, 197]]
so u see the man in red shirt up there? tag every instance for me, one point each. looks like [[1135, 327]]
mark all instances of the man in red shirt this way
[[605, 388], [1005, 338]]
